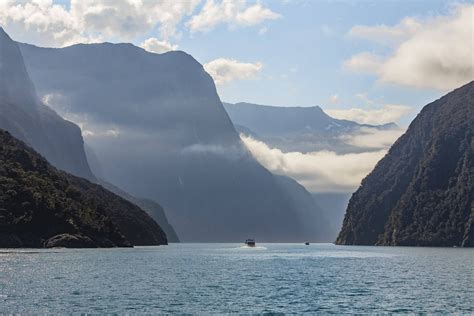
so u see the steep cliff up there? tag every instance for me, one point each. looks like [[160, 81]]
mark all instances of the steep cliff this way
[[422, 192], [41, 206], [27, 118], [170, 141]]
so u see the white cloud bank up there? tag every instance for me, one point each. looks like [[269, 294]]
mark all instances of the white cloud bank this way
[[44, 23], [430, 53], [388, 35], [386, 114], [373, 138], [225, 70], [232, 12], [322, 171], [154, 45]]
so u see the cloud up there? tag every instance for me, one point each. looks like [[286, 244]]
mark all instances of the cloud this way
[[387, 114], [431, 53], [263, 31], [230, 152], [232, 12], [322, 171], [48, 24], [112, 132], [387, 35], [225, 70], [334, 99], [368, 137], [156, 46], [364, 62], [90, 127]]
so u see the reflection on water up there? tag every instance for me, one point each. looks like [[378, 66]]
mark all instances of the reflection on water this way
[[226, 278]]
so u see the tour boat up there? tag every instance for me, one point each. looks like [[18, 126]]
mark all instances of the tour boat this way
[[250, 242]]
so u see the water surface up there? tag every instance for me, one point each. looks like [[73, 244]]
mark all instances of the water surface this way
[[225, 278]]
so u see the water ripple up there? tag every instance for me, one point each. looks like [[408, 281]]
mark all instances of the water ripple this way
[[228, 278]]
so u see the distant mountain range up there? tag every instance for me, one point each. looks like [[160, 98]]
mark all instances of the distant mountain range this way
[[422, 192], [173, 142], [303, 129]]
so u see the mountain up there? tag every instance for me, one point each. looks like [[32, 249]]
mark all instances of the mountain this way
[[333, 206], [160, 132], [303, 129], [41, 206], [422, 192], [151, 207], [27, 118], [314, 223]]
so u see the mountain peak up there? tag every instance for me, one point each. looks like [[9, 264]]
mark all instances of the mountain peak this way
[[15, 84]]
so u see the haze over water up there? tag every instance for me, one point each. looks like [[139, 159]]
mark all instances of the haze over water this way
[[225, 278]]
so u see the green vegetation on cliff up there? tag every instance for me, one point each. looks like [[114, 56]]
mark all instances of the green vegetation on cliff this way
[[41, 206], [422, 192]]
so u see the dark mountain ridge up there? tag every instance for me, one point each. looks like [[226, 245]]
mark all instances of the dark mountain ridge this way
[[41, 206], [422, 192]]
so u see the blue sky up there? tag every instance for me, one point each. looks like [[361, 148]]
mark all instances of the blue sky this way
[[299, 50], [303, 53]]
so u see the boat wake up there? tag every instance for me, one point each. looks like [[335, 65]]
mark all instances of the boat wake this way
[[255, 247]]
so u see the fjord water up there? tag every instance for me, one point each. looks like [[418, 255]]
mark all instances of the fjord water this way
[[221, 278]]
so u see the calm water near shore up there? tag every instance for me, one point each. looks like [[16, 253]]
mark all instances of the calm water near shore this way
[[222, 278]]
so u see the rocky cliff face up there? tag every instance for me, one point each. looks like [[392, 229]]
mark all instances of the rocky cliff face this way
[[173, 141], [41, 206], [23, 114], [422, 192]]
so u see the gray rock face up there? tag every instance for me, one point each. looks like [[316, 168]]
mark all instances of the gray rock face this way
[[15, 85], [22, 114], [69, 241], [174, 141]]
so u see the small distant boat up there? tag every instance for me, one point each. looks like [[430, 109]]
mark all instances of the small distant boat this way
[[250, 242], [307, 243]]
